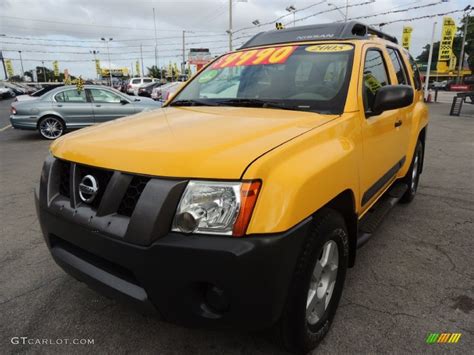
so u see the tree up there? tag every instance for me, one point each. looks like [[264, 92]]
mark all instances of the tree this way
[[154, 72]]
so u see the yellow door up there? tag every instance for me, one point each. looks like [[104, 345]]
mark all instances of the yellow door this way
[[382, 154]]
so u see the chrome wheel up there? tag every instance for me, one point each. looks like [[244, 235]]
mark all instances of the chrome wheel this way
[[414, 174], [51, 128], [322, 282]]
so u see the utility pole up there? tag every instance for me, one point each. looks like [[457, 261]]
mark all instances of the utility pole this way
[[461, 57], [108, 55], [430, 56], [44, 71], [183, 63], [156, 40], [230, 25], [141, 59], [22, 70], [94, 52], [347, 10]]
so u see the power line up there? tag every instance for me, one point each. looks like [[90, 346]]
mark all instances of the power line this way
[[416, 18]]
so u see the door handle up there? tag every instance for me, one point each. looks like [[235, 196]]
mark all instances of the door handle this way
[[98, 105], [59, 105], [398, 123]]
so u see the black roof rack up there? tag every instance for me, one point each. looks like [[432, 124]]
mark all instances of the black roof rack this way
[[327, 31]]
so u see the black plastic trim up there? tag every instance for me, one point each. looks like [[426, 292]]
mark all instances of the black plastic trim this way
[[380, 183]]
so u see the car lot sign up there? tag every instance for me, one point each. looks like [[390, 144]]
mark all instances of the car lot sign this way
[[56, 68], [199, 56], [115, 72], [97, 67], [406, 37], [9, 66]]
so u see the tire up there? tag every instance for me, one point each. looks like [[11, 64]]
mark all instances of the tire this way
[[301, 328], [51, 127], [412, 177]]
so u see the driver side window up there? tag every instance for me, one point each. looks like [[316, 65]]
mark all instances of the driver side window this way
[[375, 76]]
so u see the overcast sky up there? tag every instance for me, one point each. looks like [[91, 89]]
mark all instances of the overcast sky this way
[[67, 30]]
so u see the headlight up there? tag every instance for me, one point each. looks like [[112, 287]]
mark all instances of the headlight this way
[[209, 207]]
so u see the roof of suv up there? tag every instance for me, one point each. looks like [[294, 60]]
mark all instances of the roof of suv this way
[[327, 31]]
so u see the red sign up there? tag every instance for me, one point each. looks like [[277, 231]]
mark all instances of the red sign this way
[[458, 87], [271, 55]]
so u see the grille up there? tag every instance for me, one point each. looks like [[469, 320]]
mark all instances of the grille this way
[[134, 191], [64, 176]]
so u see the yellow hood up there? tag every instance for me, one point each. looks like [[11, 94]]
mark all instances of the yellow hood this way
[[194, 142]]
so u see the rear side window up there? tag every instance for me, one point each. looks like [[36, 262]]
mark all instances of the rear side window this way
[[375, 76], [397, 62], [147, 80], [416, 74], [136, 81], [71, 96]]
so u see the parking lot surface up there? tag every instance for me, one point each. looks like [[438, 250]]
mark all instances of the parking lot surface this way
[[414, 277]]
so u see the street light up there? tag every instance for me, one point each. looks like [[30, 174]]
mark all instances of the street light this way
[[94, 52], [338, 9], [108, 55], [292, 9], [256, 22]]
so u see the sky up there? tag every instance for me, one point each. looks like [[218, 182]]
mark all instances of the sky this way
[[67, 30]]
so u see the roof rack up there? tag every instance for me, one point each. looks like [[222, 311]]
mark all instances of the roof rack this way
[[328, 31]]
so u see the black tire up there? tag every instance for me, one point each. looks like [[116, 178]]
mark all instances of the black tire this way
[[412, 177], [294, 330], [54, 123]]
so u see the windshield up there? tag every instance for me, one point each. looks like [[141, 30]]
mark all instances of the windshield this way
[[309, 78]]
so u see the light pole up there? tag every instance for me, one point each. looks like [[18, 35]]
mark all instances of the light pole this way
[[94, 53], [141, 60], [292, 9], [338, 9], [22, 70], [3, 61], [461, 57], [229, 31], [44, 71], [108, 55], [183, 63], [156, 46], [430, 56]]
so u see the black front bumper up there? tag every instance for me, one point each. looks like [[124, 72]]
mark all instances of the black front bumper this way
[[173, 273]]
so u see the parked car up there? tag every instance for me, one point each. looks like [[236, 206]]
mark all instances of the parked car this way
[[245, 210], [440, 85], [135, 83], [124, 86], [67, 108], [147, 89], [161, 93], [6, 93], [16, 89], [38, 93]]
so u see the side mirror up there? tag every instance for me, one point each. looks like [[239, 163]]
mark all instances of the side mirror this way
[[124, 102], [391, 97]]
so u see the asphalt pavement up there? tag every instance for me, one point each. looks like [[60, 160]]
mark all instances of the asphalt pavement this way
[[414, 277]]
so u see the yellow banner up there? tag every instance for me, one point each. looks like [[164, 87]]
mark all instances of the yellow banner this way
[[447, 35], [137, 68], [9, 66], [406, 37], [97, 66], [56, 68]]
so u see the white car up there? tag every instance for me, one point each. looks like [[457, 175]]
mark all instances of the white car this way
[[162, 92], [6, 93], [135, 83]]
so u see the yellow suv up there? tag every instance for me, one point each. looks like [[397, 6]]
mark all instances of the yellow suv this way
[[241, 203]]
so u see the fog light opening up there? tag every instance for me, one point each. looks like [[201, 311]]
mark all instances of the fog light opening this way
[[216, 299]]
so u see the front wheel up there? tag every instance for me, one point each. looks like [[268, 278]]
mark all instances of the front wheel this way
[[413, 175], [317, 284], [51, 127]]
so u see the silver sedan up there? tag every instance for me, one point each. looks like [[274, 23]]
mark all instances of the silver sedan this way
[[67, 108]]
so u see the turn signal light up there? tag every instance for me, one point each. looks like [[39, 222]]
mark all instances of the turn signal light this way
[[248, 197]]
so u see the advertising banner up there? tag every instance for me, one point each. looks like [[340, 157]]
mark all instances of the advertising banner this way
[[56, 68], [447, 35], [9, 66], [406, 37], [137, 68], [97, 67]]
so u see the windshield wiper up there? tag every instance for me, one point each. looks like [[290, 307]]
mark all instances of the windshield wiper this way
[[257, 103], [192, 103]]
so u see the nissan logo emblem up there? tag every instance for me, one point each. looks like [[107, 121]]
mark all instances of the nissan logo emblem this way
[[88, 188]]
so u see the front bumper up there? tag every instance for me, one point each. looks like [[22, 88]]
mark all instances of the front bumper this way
[[173, 273]]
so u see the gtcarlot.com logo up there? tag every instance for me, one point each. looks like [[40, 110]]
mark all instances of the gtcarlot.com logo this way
[[443, 338], [46, 341]]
